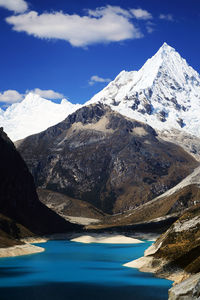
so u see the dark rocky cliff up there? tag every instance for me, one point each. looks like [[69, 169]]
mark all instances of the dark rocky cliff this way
[[19, 203], [104, 158]]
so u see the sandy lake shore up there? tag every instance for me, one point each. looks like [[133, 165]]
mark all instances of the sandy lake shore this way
[[149, 264], [19, 250], [28, 248], [106, 239]]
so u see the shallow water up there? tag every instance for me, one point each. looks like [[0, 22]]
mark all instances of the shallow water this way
[[68, 270]]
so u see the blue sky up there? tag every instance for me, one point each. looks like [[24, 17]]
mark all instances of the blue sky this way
[[72, 48]]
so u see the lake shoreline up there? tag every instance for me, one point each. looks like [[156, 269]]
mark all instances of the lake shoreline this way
[[105, 239], [80, 271], [114, 238], [19, 250], [147, 264], [25, 249], [182, 281]]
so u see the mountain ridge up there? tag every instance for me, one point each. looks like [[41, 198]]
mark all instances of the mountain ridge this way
[[33, 115], [131, 163], [21, 211], [164, 93]]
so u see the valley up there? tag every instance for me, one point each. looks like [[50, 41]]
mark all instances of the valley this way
[[124, 164]]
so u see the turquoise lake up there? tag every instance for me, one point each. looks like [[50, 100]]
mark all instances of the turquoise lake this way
[[69, 270]]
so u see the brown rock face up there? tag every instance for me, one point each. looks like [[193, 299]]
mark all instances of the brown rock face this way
[[178, 248], [67, 206], [180, 245], [110, 161], [18, 198]]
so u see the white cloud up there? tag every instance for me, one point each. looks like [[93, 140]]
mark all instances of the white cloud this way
[[167, 17], [49, 94], [141, 14], [150, 27], [96, 78], [10, 96], [102, 25], [13, 96], [99, 11], [18, 6]]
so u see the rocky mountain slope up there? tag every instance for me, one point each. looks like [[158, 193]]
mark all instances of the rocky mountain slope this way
[[175, 255], [104, 158], [71, 209], [164, 93], [188, 142], [168, 206], [21, 212]]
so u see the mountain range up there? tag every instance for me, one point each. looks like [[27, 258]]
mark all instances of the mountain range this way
[[127, 159], [164, 93], [132, 164], [32, 115]]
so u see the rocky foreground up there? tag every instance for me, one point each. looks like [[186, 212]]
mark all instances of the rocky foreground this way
[[176, 256]]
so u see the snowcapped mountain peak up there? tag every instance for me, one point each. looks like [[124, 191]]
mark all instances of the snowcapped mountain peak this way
[[33, 99], [165, 92], [66, 102], [166, 52], [166, 61], [165, 48], [34, 114]]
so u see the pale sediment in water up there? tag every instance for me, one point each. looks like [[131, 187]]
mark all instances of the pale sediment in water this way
[[35, 240], [19, 250], [106, 239]]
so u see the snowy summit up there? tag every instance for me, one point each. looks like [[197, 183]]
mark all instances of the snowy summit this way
[[34, 114], [165, 93]]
